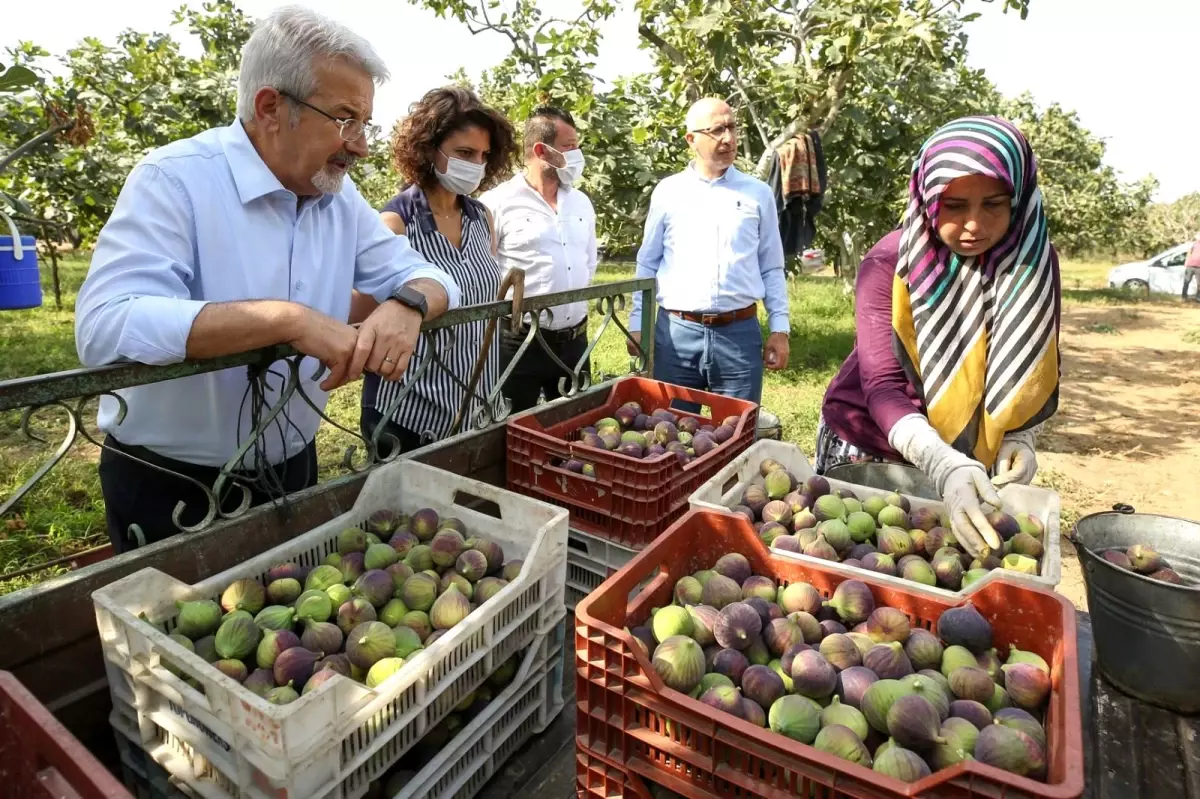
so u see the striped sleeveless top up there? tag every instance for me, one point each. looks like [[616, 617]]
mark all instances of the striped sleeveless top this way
[[429, 408]]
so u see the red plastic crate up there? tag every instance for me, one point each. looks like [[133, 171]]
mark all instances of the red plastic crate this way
[[630, 500], [597, 776], [626, 715], [40, 758]]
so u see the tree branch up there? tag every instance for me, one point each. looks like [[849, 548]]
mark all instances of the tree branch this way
[[762, 132], [34, 142], [827, 111], [796, 40], [673, 55]]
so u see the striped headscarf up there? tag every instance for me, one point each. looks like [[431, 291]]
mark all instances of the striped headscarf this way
[[978, 336]]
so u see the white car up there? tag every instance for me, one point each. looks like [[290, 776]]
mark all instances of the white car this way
[[1162, 274]]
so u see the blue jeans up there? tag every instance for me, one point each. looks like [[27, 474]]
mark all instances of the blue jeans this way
[[724, 360]]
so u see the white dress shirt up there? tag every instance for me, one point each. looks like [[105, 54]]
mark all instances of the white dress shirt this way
[[557, 249], [205, 220], [714, 247]]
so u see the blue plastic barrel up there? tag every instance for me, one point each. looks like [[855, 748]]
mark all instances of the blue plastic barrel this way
[[20, 284]]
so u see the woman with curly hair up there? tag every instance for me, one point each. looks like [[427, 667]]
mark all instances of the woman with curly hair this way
[[449, 146]]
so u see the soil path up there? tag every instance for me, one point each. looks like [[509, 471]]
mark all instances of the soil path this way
[[1128, 425]]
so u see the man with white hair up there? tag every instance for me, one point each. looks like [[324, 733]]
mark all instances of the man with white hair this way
[[712, 242], [238, 238]]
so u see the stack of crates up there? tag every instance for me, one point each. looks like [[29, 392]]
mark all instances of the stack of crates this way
[[184, 726], [627, 502]]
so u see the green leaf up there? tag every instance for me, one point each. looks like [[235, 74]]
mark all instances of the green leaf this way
[[17, 78]]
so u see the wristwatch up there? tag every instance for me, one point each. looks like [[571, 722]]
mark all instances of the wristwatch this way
[[411, 298]]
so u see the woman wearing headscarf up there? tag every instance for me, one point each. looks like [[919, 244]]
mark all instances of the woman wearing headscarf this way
[[956, 361], [448, 147]]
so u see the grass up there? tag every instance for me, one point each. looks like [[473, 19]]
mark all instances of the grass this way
[[64, 514]]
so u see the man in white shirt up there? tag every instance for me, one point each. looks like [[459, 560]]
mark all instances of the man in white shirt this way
[[546, 227], [244, 237], [712, 243]]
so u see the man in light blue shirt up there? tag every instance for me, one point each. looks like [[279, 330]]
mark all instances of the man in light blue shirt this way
[[239, 238], [712, 242]]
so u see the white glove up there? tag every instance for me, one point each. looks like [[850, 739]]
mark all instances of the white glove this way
[[1016, 461], [965, 487], [960, 480]]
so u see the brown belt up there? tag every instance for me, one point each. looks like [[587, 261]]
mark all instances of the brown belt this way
[[717, 319]]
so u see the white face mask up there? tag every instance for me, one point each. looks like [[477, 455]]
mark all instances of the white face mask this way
[[460, 177], [567, 175]]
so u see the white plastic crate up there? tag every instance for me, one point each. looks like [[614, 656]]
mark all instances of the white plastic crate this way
[[590, 561], [309, 747], [726, 487], [166, 766], [525, 708]]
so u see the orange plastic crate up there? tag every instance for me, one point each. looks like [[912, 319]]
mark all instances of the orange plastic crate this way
[[628, 717], [40, 758], [630, 500]]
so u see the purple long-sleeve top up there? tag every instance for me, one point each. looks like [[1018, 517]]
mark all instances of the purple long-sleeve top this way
[[871, 392]]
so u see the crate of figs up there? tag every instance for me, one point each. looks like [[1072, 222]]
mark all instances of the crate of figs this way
[[312, 668], [626, 468], [901, 539], [766, 675]]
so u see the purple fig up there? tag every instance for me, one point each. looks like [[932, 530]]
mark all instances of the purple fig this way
[[972, 711], [797, 597], [785, 662], [831, 627], [762, 685], [294, 666], [812, 675], [737, 625], [888, 661], [880, 563], [732, 663], [924, 650], [1118, 558], [888, 624], [840, 651], [1027, 685], [912, 721], [753, 712], [780, 634], [853, 601], [966, 627], [971, 683], [852, 683]]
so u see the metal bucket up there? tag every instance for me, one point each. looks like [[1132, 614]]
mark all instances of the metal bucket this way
[[1147, 632], [886, 477], [769, 425]]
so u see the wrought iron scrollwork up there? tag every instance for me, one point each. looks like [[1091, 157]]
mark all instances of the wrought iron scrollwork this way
[[483, 405]]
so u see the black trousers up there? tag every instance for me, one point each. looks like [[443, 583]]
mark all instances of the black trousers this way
[[1189, 274], [537, 372], [138, 494], [369, 418]]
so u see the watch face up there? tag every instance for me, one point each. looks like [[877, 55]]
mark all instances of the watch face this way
[[413, 299]]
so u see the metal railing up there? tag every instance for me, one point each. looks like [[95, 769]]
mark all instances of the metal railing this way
[[72, 391]]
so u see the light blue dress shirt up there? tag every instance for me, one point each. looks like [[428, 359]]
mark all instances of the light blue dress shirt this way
[[713, 246], [205, 220]]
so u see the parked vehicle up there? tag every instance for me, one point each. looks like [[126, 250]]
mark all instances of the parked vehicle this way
[[1162, 274]]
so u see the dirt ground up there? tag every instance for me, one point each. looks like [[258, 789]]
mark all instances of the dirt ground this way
[[1128, 425]]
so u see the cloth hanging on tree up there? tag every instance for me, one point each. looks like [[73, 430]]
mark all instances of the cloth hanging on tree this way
[[799, 178]]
